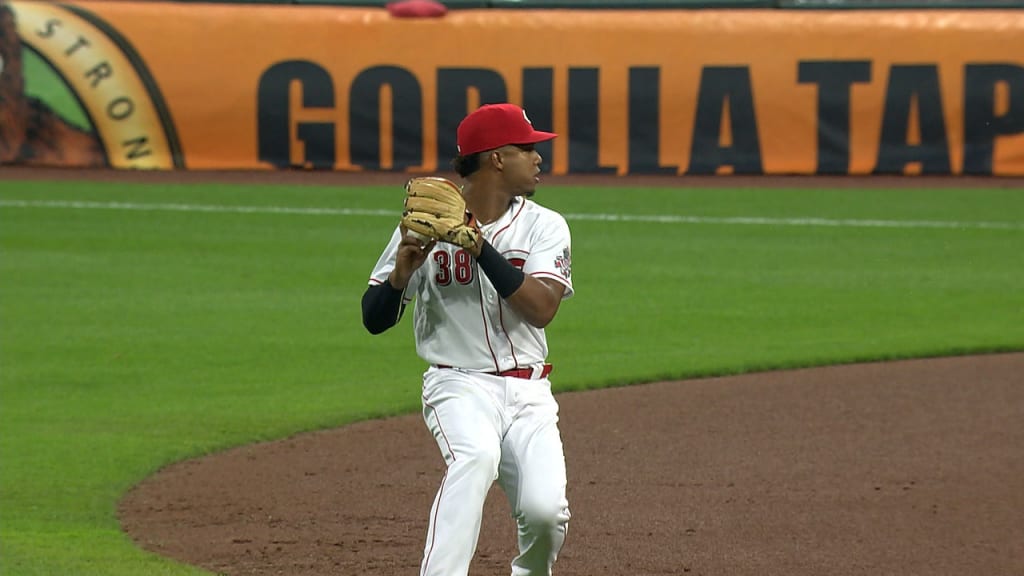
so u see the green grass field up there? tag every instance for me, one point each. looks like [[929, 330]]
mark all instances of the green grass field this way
[[141, 325]]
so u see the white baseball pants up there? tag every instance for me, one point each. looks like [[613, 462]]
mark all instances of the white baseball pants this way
[[493, 428]]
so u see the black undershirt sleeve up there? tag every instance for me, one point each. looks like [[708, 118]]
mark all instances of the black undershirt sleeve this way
[[505, 277], [382, 307]]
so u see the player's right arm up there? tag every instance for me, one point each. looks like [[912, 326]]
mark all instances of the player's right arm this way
[[383, 303]]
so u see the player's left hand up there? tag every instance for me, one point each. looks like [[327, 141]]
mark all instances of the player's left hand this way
[[435, 209]]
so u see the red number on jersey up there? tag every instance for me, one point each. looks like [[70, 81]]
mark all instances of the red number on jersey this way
[[463, 267], [463, 272], [444, 268]]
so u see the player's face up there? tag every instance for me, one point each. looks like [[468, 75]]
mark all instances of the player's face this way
[[521, 164]]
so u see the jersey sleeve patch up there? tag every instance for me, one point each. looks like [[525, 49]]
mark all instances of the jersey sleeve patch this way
[[563, 263]]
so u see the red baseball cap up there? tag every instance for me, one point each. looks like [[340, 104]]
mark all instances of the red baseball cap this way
[[495, 125]]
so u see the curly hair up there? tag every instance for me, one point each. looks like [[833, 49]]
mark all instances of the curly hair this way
[[466, 165]]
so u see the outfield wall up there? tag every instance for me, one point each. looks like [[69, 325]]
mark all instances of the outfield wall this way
[[219, 86]]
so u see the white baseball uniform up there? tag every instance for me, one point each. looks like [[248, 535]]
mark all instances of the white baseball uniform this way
[[490, 426]]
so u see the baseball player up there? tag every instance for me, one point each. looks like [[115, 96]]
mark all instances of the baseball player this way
[[479, 318]]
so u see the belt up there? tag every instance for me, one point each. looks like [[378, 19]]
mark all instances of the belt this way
[[524, 373]]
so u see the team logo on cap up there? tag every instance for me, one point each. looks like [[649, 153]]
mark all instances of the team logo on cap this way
[[527, 118]]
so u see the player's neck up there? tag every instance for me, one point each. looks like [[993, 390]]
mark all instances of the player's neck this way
[[486, 203]]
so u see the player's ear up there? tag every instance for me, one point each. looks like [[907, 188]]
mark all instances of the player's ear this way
[[495, 159]]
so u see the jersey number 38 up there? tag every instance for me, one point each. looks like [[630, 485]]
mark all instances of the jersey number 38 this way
[[457, 267]]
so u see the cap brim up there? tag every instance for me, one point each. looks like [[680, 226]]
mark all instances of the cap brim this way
[[538, 137]]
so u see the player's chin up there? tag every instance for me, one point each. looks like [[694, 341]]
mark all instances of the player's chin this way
[[530, 188]]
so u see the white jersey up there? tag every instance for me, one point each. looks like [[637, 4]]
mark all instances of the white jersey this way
[[459, 319]]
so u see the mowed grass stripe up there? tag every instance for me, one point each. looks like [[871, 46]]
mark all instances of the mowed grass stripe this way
[[655, 218]]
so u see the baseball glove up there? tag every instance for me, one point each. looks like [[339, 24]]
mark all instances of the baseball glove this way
[[435, 209]]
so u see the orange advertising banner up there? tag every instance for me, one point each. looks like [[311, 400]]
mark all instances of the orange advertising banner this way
[[217, 86]]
